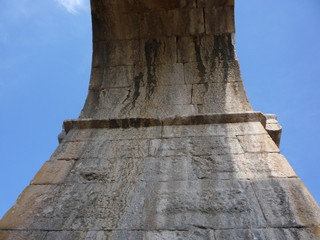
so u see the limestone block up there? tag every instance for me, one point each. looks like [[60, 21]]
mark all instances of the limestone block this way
[[90, 107], [209, 51], [173, 22], [258, 143], [164, 111], [116, 149], [53, 172], [240, 234], [166, 4], [27, 206], [211, 4], [220, 97], [61, 235], [173, 94], [219, 20], [200, 146], [214, 71], [229, 129], [156, 50], [126, 234], [310, 233], [78, 135], [204, 146], [69, 151], [162, 74], [115, 26], [115, 53], [201, 204], [65, 207], [286, 203], [101, 7], [198, 234], [22, 235], [112, 77], [106, 170], [263, 165], [182, 168]]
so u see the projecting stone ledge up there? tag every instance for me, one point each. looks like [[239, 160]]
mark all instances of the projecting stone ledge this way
[[152, 122], [273, 128]]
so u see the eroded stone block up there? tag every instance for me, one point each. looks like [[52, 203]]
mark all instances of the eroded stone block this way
[[115, 53], [258, 143], [203, 204], [220, 97], [219, 20], [229, 129], [53, 172], [286, 203], [173, 23]]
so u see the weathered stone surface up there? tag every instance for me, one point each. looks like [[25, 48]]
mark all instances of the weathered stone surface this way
[[219, 20], [287, 203], [230, 129], [167, 145], [258, 143], [115, 53], [69, 151], [211, 4], [27, 206], [22, 235], [111, 77], [208, 51], [166, 4], [203, 204], [173, 23], [163, 74], [227, 97], [156, 50], [116, 26], [53, 172]]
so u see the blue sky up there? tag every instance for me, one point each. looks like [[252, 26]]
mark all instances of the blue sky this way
[[45, 49]]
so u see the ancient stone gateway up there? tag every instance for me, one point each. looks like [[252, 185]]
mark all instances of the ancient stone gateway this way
[[167, 145]]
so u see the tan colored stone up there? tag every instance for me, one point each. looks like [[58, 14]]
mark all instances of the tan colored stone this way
[[287, 203], [26, 207], [116, 26], [173, 23], [156, 50], [229, 129], [220, 20], [69, 151], [258, 143], [53, 172], [220, 97], [211, 4], [166, 4], [115, 53]]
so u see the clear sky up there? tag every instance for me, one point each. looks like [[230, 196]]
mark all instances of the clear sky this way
[[45, 50]]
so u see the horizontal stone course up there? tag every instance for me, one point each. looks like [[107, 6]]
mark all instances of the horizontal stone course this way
[[173, 23]]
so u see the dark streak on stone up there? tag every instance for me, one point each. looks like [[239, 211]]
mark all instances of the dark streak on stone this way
[[113, 123], [151, 54], [222, 52], [137, 80], [200, 66]]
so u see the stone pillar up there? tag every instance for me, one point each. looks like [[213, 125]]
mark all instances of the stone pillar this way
[[163, 58], [167, 145]]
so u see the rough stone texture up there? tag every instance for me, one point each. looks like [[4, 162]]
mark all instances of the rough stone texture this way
[[167, 145]]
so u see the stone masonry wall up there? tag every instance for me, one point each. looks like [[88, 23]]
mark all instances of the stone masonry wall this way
[[160, 58], [167, 145]]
